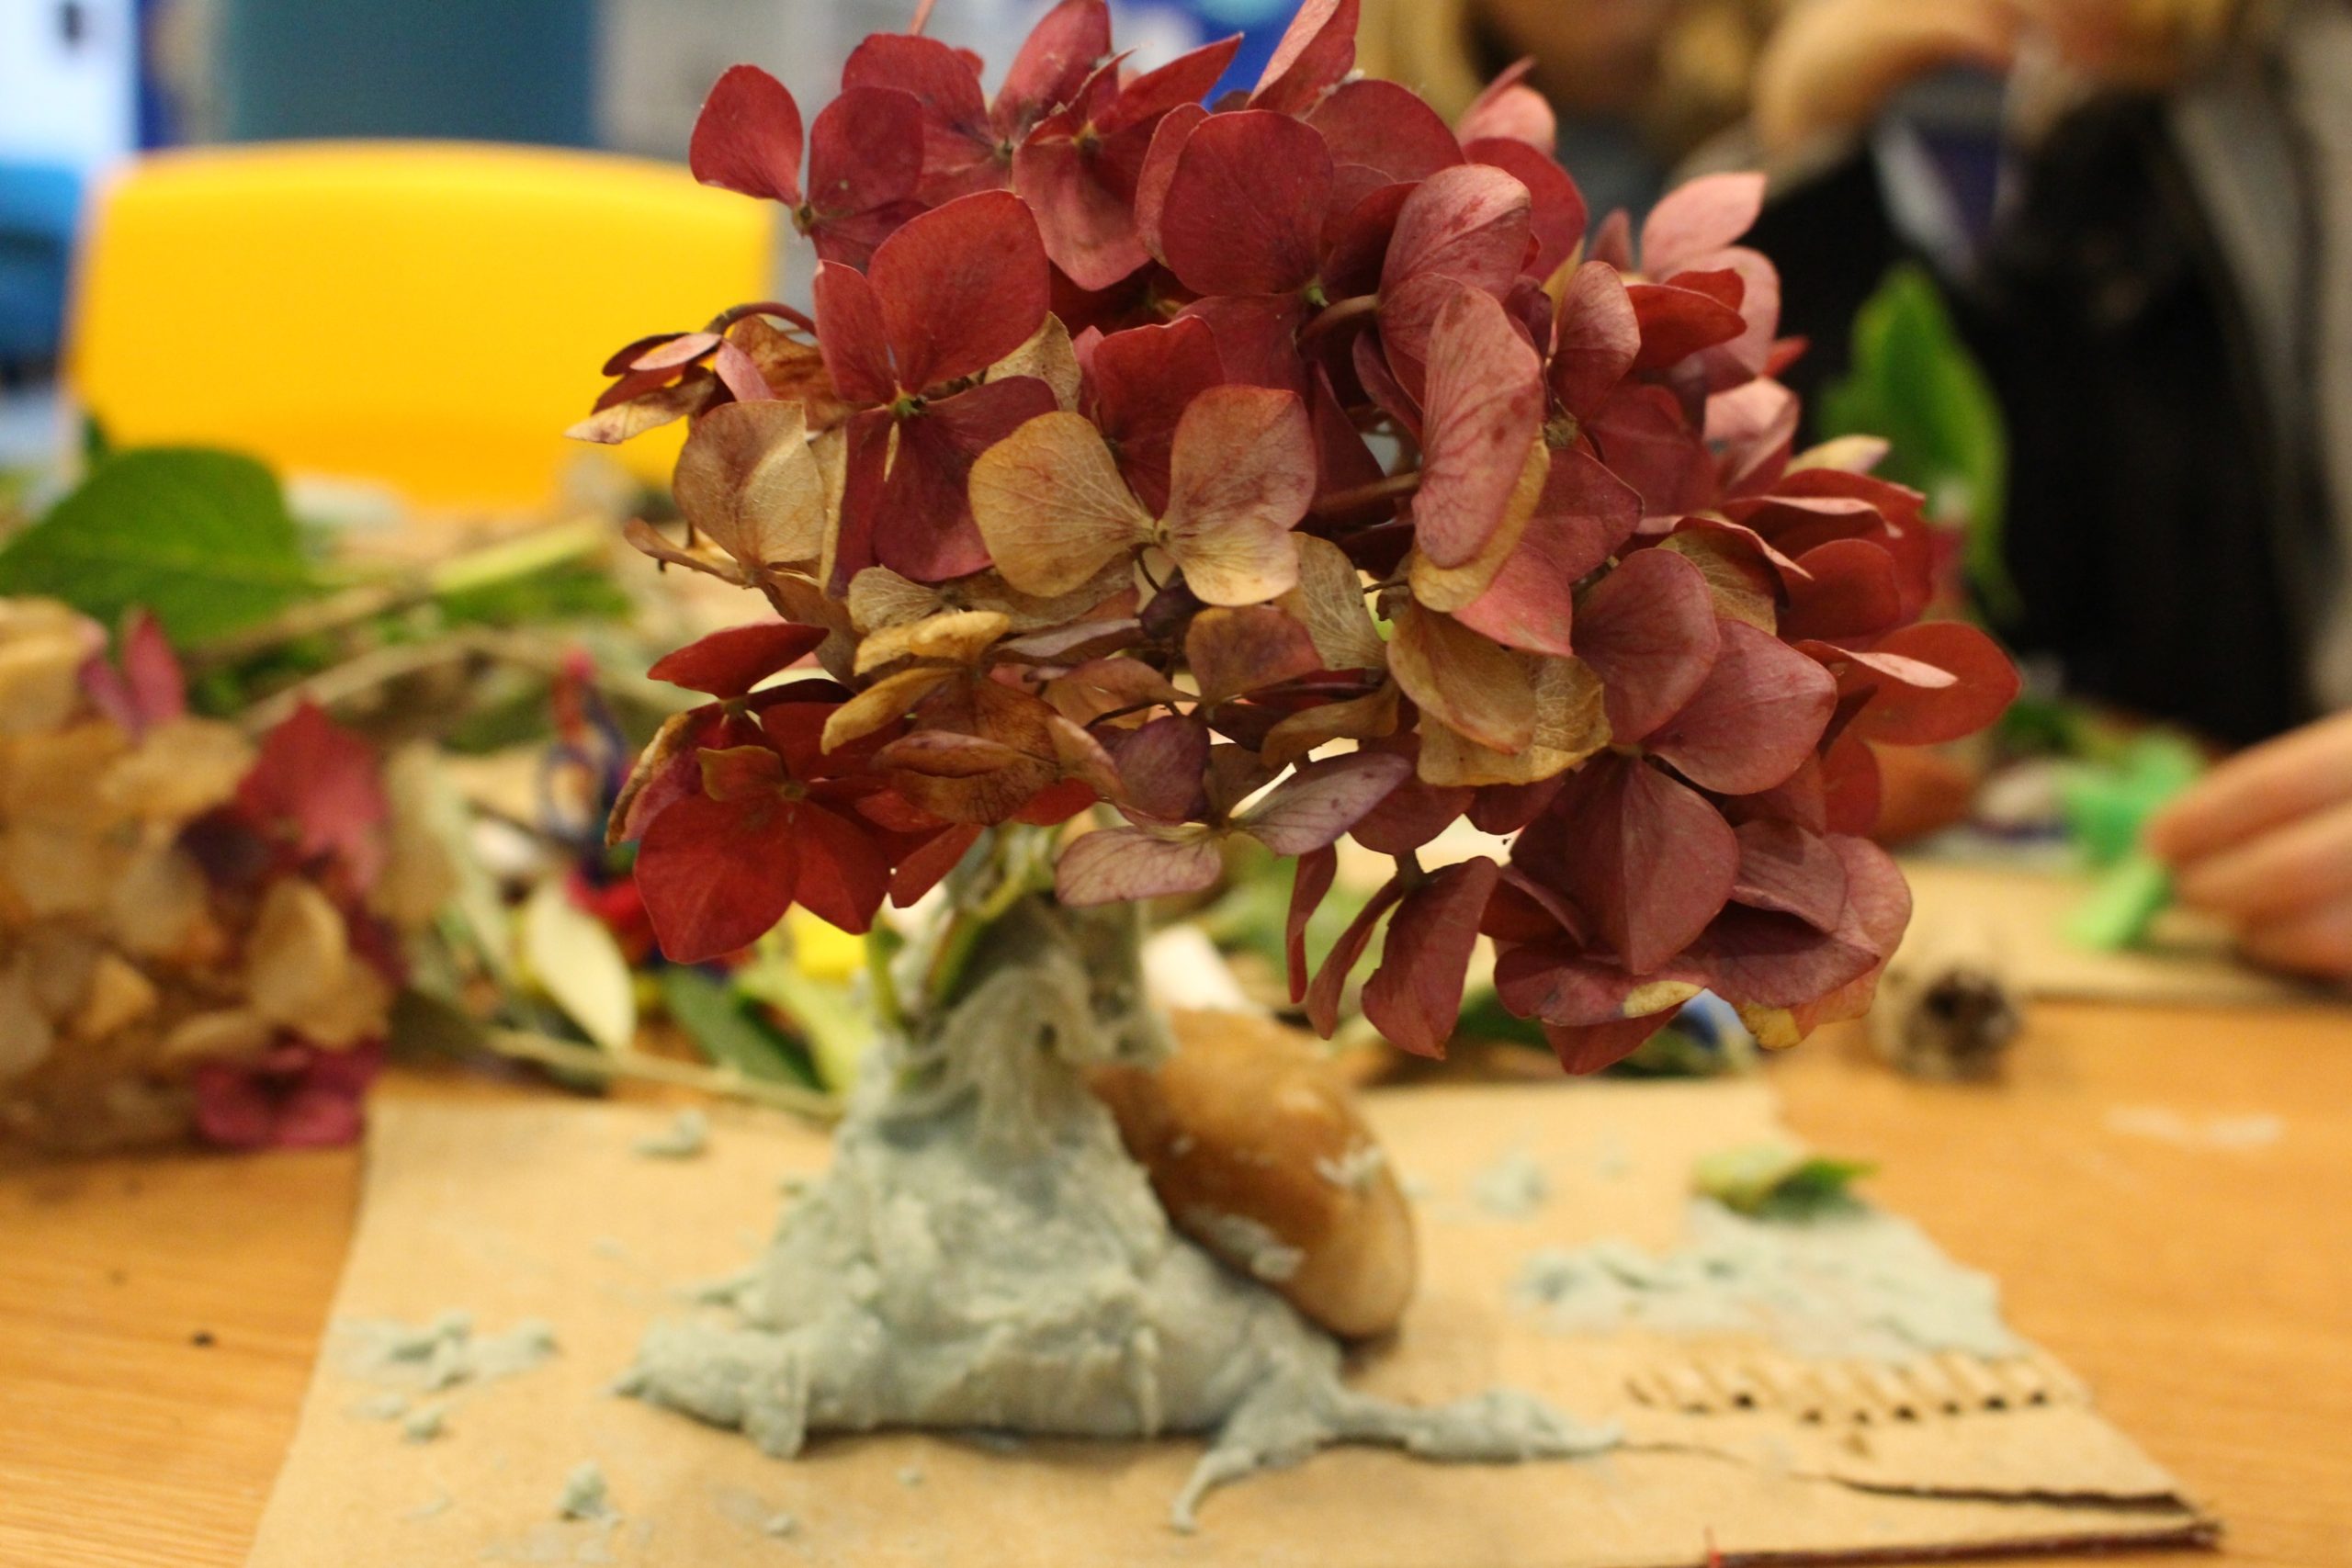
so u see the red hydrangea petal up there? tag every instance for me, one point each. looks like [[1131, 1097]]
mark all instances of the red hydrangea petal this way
[[1850, 590], [923, 527], [1485, 407], [960, 288], [864, 151], [1913, 715], [1647, 859], [1322, 800], [959, 147], [1649, 630], [1114, 866], [1325, 992], [1556, 984], [1677, 322], [1596, 338], [1414, 999], [1311, 880], [1244, 208], [748, 137], [1705, 215], [730, 663], [1317, 51], [1646, 442], [1386, 128], [1755, 719], [1788, 868], [716, 875], [1586, 1051], [1055, 61], [852, 335]]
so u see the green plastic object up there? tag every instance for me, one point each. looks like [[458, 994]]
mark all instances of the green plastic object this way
[[2106, 808], [1777, 1182]]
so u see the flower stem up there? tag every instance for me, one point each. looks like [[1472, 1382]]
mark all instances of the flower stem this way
[[588, 1061], [1362, 497], [1335, 316]]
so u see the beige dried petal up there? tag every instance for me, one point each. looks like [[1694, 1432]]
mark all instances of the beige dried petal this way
[[60, 960], [1742, 586], [885, 701], [1570, 725], [118, 995], [959, 636], [420, 875], [748, 478], [355, 1010], [299, 955], [25, 1035], [180, 771], [237, 1032], [1048, 357], [880, 598], [46, 778], [42, 648], [55, 874], [156, 904], [1452, 587], [1369, 718], [1328, 601]]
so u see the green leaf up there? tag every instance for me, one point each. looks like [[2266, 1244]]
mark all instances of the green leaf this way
[[1777, 1182], [838, 1031], [201, 539], [1915, 383], [2121, 906], [717, 1018]]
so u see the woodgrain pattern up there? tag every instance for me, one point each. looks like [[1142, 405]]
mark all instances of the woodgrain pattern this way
[[2205, 1290]]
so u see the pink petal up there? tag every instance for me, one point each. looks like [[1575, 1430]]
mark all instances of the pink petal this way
[[1329, 986], [1754, 721], [1322, 800], [1414, 999], [1089, 230], [1256, 338], [1645, 442], [1158, 171], [1113, 866], [1385, 128], [1411, 814], [1915, 716], [1585, 1051], [960, 288], [1554, 984], [1469, 223], [158, 687], [1849, 591], [1485, 406], [1244, 210], [324, 781], [1677, 322], [1511, 110], [1586, 514], [1790, 869], [748, 137], [1705, 215], [1311, 880], [1647, 860], [1649, 630], [1597, 337], [730, 663], [1317, 51], [1556, 213], [1160, 767]]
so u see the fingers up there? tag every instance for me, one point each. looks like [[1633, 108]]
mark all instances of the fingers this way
[[2304, 863], [2315, 942], [1831, 66], [2260, 789]]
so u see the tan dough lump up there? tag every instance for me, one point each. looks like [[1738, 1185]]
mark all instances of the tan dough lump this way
[[1258, 1152]]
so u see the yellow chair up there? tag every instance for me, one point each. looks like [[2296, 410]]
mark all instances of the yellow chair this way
[[426, 316]]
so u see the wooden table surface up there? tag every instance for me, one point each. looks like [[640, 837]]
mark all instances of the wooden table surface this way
[[158, 1315]]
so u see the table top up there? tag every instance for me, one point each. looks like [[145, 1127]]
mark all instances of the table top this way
[[2164, 1193]]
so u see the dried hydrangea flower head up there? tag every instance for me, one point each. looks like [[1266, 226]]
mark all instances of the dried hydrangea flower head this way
[[1286, 470], [193, 928]]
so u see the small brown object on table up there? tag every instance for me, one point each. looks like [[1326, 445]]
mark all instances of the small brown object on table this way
[[2199, 1285]]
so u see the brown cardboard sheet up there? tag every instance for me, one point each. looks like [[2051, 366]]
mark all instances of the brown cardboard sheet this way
[[545, 1210]]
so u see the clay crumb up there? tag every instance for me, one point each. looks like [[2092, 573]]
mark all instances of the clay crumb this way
[[1512, 1188], [1355, 1170], [382, 1408], [425, 1423], [910, 1475], [781, 1525], [686, 1137], [584, 1494], [432, 1509]]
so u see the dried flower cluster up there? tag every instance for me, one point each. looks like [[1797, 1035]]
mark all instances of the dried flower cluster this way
[[193, 929], [1287, 471]]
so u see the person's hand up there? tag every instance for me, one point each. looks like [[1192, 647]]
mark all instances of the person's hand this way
[[2265, 841]]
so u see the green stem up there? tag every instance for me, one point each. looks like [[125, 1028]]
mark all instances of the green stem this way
[[588, 1061]]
